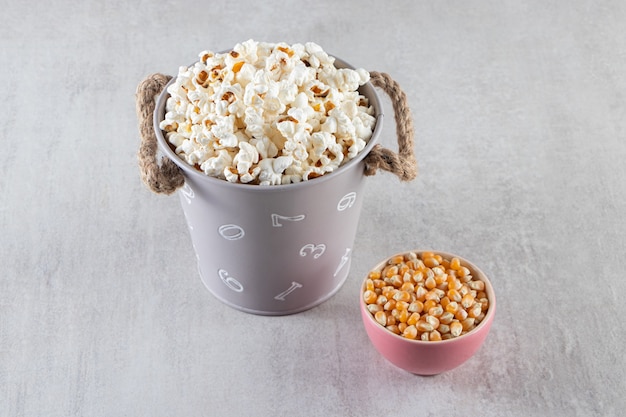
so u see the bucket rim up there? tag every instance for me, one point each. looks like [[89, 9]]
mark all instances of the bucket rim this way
[[366, 89]]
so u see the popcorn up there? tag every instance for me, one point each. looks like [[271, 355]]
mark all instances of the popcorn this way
[[267, 113]]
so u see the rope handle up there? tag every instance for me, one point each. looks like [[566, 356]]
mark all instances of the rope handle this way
[[403, 163], [164, 177]]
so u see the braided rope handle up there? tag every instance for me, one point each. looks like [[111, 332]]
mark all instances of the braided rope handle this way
[[165, 177], [403, 163]]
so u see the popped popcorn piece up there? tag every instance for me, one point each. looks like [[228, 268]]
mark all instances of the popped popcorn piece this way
[[267, 113]]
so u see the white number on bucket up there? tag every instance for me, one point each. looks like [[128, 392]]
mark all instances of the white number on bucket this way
[[344, 260], [315, 250], [231, 231], [294, 285], [230, 282], [347, 201], [187, 192], [276, 218]]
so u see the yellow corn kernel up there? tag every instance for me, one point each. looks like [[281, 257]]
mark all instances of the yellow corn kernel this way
[[403, 269], [436, 311], [431, 262], [402, 305], [408, 287], [381, 317], [444, 301], [435, 336], [427, 254], [476, 285], [369, 285], [430, 283], [468, 324], [425, 336], [369, 297], [446, 317], [396, 260], [374, 308], [452, 307], [390, 271], [410, 332], [460, 314], [388, 292], [424, 326], [390, 305], [446, 336], [416, 307], [402, 327], [464, 290], [402, 296], [467, 301], [381, 300], [418, 276], [420, 293], [438, 271], [455, 264], [428, 304], [396, 281], [441, 278], [475, 310], [445, 263], [454, 295], [428, 273], [454, 283], [378, 283], [456, 328], [413, 319], [443, 328], [393, 329], [433, 295], [432, 320], [391, 320], [463, 272], [440, 293], [374, 275]]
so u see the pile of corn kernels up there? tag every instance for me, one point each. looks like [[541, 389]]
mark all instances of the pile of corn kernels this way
[[426, 297]]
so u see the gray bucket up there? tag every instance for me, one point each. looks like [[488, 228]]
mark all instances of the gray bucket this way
[[273, 250]]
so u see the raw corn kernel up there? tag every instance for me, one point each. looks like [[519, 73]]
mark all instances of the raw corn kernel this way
[[425, 297]]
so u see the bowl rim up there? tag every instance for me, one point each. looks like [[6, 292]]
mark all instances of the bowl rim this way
[[489, 289]]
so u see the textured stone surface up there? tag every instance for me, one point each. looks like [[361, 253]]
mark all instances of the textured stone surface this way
[[520, 115]]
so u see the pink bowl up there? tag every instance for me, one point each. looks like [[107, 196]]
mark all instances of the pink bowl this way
[[429, 357]]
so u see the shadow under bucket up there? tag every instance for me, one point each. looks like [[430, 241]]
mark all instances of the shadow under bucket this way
[[274, 250]]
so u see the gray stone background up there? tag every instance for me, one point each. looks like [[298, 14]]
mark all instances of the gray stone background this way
[[521, 127]]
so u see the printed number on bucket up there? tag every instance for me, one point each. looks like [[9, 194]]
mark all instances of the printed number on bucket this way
[[277, 218], [315, 250], [346, 202], [294, 286], [229, 281], [344, 260], [231, 232]]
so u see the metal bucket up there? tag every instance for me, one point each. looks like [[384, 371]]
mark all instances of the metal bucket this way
[[273, 250]]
